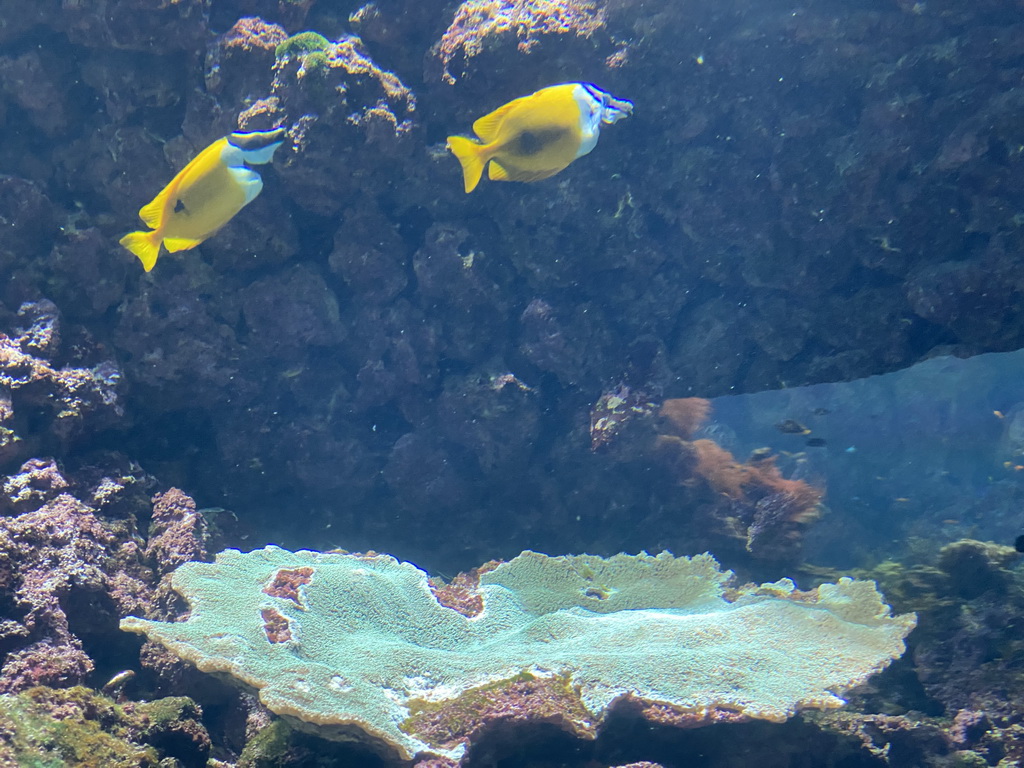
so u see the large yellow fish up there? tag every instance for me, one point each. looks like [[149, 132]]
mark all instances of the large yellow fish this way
[[204, 196], [536, 136]]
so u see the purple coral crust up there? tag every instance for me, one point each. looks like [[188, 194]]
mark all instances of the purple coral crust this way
[[527, 20], [276, 627], [72, 574], [51, 663], [437, 762], [177, 533], [462, 594], [665, 714], [286, 584], [38, 481], [253, 34], [50, 558]]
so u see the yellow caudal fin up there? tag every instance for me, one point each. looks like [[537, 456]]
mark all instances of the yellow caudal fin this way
[[470, 154], [145, 245]]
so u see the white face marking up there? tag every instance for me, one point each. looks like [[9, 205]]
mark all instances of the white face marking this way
[[232, 156], [248, 180], [261, 155], [612, 109], [590, 119]]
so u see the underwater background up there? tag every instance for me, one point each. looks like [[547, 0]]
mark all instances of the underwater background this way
[[773, 316]]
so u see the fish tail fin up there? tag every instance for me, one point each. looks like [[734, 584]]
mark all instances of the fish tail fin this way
[[145, 245], [472, 157]]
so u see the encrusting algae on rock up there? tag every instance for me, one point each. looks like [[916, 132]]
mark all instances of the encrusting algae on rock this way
[[476, 22], [359, 648], [80, 728]]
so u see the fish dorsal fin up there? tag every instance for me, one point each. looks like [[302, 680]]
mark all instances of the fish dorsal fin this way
[[153, 212], [487, 126]]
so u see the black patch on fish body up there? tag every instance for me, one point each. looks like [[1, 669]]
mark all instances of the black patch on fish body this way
[[179, 207], [534, 142]]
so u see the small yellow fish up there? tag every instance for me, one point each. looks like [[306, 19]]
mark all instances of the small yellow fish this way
[[536, 136], [204, 196]]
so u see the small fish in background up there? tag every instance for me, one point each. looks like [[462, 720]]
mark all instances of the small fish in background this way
[[536, 136], [792, 427], [816, 442], [1018, 543], [204, 196]]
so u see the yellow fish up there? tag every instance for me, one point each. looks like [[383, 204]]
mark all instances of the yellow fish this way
[[536, 136], [204, 196]]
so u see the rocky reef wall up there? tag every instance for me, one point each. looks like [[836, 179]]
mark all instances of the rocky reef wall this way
[[803, 194]]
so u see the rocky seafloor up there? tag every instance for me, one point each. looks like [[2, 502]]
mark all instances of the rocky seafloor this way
[[368, 358]]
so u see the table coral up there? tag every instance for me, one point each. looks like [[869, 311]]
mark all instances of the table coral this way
[[370, 655]]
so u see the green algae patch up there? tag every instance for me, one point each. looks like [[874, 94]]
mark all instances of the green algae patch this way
[[315, 63], [269, 748], [80, 728], [923, 589], [302, 44], [48, 728]]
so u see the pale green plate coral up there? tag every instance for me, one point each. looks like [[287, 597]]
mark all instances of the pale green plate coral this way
[[347, 642]]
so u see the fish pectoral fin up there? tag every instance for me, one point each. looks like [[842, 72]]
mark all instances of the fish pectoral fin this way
[[152, 212], [175, 244], [498, 172], [487, 126]]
